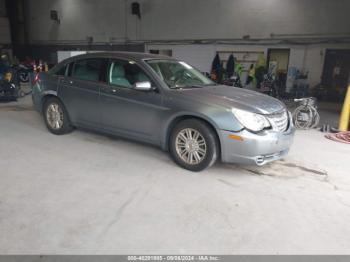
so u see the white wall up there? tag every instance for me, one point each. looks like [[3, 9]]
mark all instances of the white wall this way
[[184, 19], [308, 57]]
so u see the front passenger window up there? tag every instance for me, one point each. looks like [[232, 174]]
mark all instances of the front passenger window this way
[[126, 73], [117, 74]]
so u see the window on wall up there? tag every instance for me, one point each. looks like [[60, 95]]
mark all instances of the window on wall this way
[[126, 73], [280, 60], [167, 52], [90, 69]]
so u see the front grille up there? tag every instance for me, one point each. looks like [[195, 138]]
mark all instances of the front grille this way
[[279, 121]]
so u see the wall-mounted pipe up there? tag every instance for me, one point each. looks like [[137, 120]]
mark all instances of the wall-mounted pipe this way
[[263, 41], [311, 35]]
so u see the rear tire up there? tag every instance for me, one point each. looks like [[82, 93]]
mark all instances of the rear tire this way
[[56, 117], [24, 77], [194, 145]]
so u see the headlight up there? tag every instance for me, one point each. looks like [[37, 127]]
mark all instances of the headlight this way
[[251, 121]]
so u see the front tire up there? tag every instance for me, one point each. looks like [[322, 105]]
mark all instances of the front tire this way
[[194, 145], [56, 117]]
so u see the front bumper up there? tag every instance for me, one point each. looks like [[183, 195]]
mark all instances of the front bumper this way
[[257, 149]]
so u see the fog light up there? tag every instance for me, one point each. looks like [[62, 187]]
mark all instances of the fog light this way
[[260, 160]]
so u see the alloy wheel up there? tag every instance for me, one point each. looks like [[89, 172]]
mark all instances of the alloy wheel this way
[[191, 146], [54, 116]]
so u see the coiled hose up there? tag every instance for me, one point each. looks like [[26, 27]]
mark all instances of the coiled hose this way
[[305, 117], [343, 137]]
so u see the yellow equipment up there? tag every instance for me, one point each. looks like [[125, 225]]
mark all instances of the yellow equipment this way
[[8, 76], [345, 113]]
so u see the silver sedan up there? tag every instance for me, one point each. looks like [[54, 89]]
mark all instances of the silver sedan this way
[[164, 102]]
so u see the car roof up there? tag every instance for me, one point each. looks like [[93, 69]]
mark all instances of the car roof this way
[[127, 55]]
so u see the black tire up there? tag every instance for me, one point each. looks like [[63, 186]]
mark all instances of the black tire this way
[[209, 135], [24, 77], [21, 93], [66, 126]]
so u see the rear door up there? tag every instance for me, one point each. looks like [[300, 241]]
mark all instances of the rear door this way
[[81, 88]]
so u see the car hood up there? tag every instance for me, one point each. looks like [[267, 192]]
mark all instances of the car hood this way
[[233, 97]]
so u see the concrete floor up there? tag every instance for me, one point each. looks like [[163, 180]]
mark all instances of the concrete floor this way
[[84, 193]]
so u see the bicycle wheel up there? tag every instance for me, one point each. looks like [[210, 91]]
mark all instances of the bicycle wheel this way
[[303, 117]]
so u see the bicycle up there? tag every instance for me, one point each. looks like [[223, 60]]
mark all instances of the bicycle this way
[[306, 116]]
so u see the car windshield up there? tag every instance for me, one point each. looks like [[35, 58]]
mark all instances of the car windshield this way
[[178, 74]]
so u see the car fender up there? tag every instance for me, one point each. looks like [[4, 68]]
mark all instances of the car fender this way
[[171, 121]]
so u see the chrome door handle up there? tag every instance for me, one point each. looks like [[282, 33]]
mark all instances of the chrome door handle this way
[[114, 90]]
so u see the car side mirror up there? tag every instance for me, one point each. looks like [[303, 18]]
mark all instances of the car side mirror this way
[[143, 86]]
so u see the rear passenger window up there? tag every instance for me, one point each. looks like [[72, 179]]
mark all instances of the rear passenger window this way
[[90, 69], [61, 71]]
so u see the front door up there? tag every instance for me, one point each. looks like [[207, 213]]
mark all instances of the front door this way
[[80, 90], [127, 111]]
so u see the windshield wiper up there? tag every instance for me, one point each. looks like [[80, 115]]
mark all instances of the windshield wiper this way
[[204, 85], [186, 87], [192, 86]]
